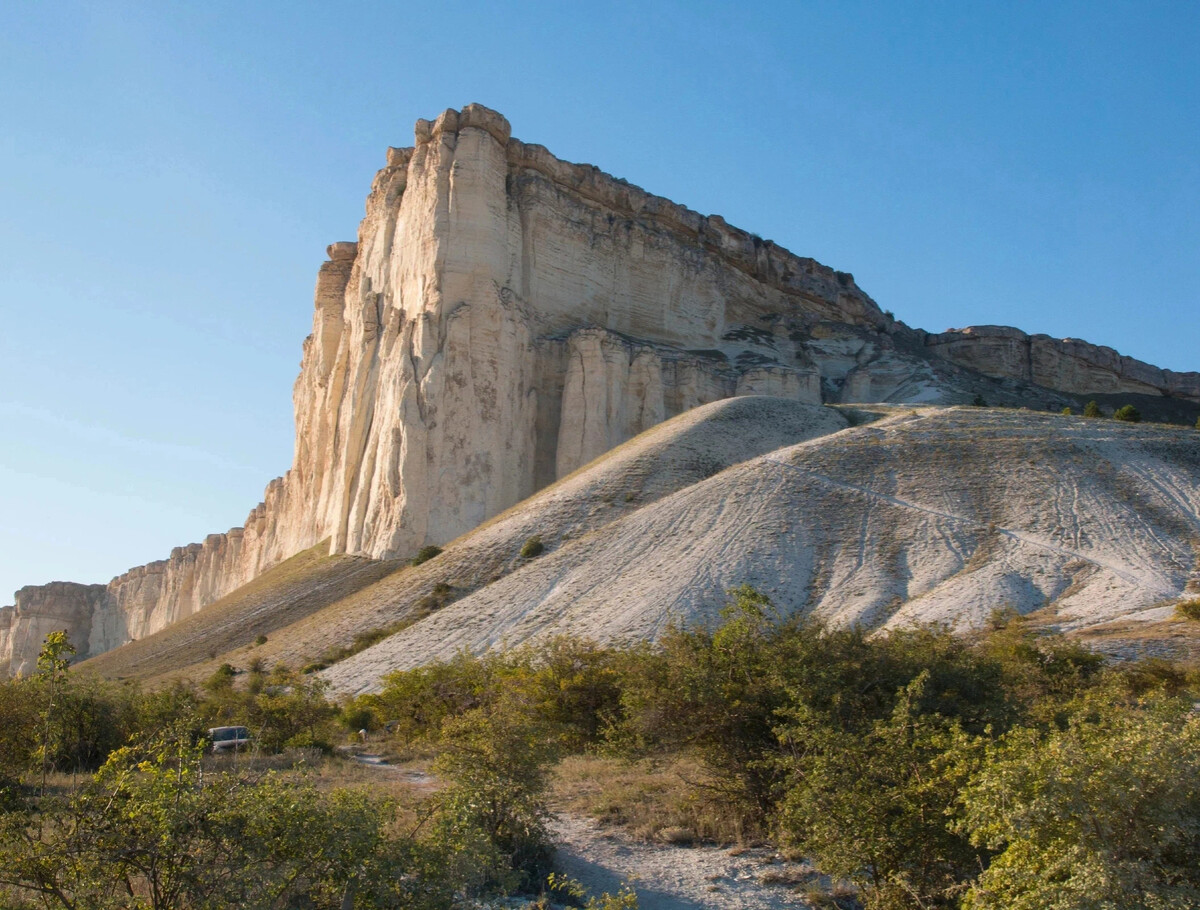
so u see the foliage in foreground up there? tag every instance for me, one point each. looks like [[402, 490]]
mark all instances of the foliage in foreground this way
[[933, 771], [1104, 813], [856, 750], [148, 831]]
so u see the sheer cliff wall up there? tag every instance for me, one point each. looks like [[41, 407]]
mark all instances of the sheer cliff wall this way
[[503, 318]]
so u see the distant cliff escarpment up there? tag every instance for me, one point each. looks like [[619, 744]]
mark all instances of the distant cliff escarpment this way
[[506, 317]]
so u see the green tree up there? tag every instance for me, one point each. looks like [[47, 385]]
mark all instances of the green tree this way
[[416, 702], [718, 694], [1038, 673], [19, 732], [573, 687], [1128, 413], [290, 710], [1101, 815], [871, 805], [1092, 409], [497, 761], [52, 663]]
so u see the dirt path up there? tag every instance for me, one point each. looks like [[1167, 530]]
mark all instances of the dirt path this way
[[605, 859], [678, 878]]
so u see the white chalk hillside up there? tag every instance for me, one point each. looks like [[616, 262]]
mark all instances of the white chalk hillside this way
[[936, 514]]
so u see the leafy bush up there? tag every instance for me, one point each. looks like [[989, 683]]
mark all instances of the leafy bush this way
[[497, 759], [892, 786], [1067, 412], [1128, 413], [572, 687], [425, 554], [1092, 409], [414, 703], [717, 693], [532, 547], [1103, 813], [150, 831]]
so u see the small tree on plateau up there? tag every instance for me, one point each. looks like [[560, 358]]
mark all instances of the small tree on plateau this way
[[1092, 409]]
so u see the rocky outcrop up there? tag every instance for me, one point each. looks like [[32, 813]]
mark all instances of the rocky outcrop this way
[[505, 317], [42, 609], [1064, 364]]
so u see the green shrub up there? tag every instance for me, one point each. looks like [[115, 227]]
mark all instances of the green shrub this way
[[1189, 609], [425, 554], [1092, 409], [439, 595], [893, 786], [497, 760], [573, 687], [1104, 812], [533, 547], [261, 640], [1128, 413], [149, 831], [362, 641], [416, 702], [1067, 412]]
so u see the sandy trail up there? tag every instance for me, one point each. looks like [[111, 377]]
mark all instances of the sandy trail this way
[[606, 859], [677, 878]]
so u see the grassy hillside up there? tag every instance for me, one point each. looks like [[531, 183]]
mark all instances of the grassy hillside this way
[[279, 597]]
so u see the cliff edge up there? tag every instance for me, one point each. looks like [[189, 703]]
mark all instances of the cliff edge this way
[[505, 317]]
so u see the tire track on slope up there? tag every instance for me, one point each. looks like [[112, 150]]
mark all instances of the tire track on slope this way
[[1121, 572]]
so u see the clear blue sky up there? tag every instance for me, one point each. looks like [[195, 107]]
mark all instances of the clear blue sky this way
[[170, 174]]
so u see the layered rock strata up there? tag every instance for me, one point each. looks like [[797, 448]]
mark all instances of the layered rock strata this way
[[1064, 364], [503, 318]]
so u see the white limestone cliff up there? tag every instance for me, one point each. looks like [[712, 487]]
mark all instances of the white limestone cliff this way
[[503, 318]]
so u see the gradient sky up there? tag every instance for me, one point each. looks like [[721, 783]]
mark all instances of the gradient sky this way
[[171, 173]]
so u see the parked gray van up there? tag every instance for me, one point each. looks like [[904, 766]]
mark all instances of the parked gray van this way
[[228, 739]]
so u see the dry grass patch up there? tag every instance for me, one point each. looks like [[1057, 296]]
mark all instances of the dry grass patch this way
[[669, 801], [1189, 609]]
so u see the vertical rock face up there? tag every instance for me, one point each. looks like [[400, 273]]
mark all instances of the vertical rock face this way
[[40, 610], [505, 317]]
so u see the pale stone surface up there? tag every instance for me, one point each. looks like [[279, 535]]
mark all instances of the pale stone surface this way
[[503, 318], [929, 515], [40, 610], [1065, 364]]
